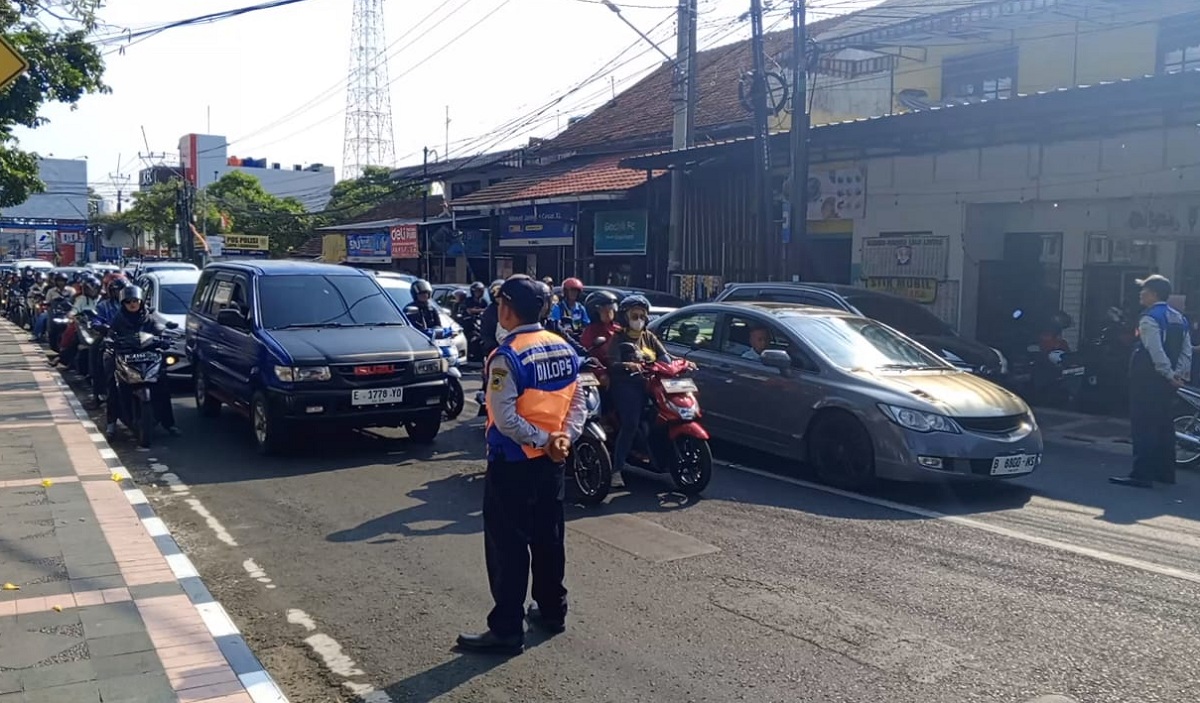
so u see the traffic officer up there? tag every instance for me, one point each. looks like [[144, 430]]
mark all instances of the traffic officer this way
[[1161, 363], [535, 409]]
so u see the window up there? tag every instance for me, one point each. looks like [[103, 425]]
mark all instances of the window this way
[[173, 298], [797, 298], [745, 293], [857, 343], [203, 292], [746, 338], [1179, 44], [696, 330], [324, 301], [980, 76]]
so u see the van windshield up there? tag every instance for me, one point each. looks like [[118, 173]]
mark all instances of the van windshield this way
[[324, 301]]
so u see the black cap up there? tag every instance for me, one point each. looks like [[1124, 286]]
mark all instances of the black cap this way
[[1159, 285], [525, 295]]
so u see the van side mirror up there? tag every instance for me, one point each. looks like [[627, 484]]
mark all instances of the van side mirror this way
[[231, 317], [776, 359]]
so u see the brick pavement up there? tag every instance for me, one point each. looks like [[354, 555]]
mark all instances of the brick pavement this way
[[108, 610]]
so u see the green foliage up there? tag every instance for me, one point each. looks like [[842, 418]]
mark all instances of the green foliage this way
[[63, 68], [354, 197], [252, 210]]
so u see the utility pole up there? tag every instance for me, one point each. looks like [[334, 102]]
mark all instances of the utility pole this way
[[184, 201], [119, 181], [798, 136], [425, 209], [682, 133], [762, 148]]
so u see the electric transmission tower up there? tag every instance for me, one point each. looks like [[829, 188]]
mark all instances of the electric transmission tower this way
[[368, 140]]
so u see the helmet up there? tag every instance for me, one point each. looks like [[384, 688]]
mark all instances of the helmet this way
[[572, 284], [630, 302], [131, 293], [68, 292], [459, 294], [91, 281], [548, 296], [494, 288], [420, 286], [477, 287], [60, 276], [116, 284], [599, 299]]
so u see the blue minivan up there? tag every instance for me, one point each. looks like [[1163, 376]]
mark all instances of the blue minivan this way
[[291, 343]]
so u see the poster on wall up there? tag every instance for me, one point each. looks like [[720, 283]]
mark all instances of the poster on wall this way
[[404, 242], [374, 248], [620, 232], [910, 255], [539, 226], [837, 194]]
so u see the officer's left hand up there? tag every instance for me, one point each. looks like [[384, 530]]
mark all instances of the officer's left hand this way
[[559, 447]]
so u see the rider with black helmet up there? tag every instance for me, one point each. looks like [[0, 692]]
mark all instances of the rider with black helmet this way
[[490, 320], [602, 311], [422, 313], [628, 349], [132, 319]]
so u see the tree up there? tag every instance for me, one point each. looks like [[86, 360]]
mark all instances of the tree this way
[[94, 203], [153, 212], [352, 198], [63, 67], [251, 210]]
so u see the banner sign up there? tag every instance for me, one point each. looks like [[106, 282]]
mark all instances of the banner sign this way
[[620, 232], [404, 242], [539, 226], [918, 290], [244, 245], [374, 248]]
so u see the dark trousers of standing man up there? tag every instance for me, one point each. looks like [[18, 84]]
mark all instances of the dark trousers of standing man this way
[[523, 521], [1152, 425]]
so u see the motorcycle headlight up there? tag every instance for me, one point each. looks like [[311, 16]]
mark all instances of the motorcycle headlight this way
[[300, 374], [430, 367], [919, 421], [171, 361]]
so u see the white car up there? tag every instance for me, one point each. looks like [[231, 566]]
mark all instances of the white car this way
[[169, 295], [399, 289]]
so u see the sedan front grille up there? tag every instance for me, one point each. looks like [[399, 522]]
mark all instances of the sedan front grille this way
[[1006, 424]]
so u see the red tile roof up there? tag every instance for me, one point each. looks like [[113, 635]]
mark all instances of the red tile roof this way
[[565, 179], [642, 115]]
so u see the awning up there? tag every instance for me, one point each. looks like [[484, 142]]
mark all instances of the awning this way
[[573, 180]]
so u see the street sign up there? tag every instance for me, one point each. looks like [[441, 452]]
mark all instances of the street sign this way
[[12, 64]]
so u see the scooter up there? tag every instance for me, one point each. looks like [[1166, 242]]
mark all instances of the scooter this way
[[59, 318], [1187, 428], [139, 365], [670, 439], [443, 339], [590, 463]]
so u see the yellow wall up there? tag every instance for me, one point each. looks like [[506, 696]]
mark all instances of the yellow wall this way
[[333, 248]]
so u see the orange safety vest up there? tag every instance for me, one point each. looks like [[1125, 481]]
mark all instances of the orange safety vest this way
[[546, 370]]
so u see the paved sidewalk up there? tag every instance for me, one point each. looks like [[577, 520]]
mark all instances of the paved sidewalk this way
[[99, 605]]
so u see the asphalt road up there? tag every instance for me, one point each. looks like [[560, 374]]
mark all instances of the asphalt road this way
[[351, 567]]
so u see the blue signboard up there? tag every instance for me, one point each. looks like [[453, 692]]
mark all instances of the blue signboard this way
[[539, 226], [620, 232], [372, 248]]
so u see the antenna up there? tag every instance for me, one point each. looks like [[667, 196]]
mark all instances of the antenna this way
[[447, 149], [368, 139]]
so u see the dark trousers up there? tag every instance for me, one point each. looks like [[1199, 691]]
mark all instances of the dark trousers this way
[[523, 523], [629, 398], [96, 370], [160, 400], [1152, 426]]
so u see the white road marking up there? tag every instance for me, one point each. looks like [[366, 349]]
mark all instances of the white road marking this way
[[335, 659], [212, 522], [1098, 554], [256, 572], [301, 618]]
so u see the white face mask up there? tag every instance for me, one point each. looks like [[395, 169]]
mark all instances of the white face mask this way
[[637, 325], [501, 334]]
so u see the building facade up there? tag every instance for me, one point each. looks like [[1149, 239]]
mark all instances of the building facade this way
[[52, 224], [204, 158]]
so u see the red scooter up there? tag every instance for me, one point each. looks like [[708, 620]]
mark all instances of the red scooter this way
[[670, 439]]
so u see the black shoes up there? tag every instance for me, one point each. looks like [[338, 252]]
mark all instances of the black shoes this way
[[537, 619], [1130, 481], [491, 643]]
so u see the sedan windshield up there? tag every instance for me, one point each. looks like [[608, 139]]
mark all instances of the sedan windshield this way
[[855, 343], [324, 301]]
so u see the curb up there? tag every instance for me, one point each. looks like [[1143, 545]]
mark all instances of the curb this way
[[259, 684]]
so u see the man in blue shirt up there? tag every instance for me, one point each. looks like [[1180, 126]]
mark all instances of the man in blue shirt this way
[[106, 312], [568, 315]]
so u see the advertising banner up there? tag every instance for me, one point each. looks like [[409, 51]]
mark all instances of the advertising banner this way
[[539, 226], [404, 242], [374, 248], [620, 232]]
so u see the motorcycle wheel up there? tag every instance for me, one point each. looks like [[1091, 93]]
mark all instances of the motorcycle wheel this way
[[455, 400], [143, 421], [692, 468], [1187, 456], [591, 467]]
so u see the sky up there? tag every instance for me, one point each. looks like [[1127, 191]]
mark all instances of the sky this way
[[274, 81]]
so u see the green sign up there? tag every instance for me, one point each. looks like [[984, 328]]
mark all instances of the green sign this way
[[620, 232]]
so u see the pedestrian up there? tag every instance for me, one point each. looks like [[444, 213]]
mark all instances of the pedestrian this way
[[1161, 363], [535, 410]]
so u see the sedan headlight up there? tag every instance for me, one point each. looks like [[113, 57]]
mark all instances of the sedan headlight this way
[[919, 421], [430, 367], [299, 374]]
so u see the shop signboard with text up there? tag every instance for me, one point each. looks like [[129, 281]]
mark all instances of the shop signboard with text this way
[[255, 246], [539, 226], [404, 242], [620, 232], [373, 248]]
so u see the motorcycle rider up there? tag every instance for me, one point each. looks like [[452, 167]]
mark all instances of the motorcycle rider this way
[[568, 314], [52, 295], [473, 305], [602, 311], [106, 310], [422, 313], [490, 320], [132, 319], [86, 300], [1161, 363], [628, 349]]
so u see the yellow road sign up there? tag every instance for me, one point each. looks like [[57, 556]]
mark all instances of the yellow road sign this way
[[12, 64]]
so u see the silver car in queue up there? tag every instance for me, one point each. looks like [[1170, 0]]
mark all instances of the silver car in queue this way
[[850, 396]]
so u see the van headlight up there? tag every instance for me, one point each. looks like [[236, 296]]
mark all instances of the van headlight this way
[[919, 421], [299, 374], [430, 367]]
